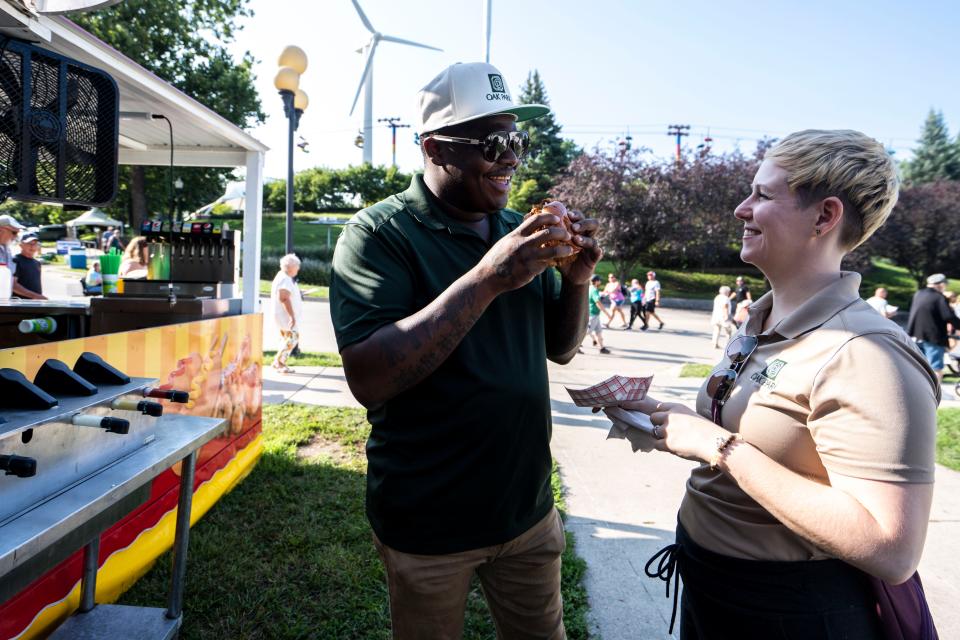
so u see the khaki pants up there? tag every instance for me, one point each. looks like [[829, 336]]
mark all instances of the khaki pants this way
[[520, 580]]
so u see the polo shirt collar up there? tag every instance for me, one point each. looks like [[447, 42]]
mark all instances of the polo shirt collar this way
[[819, 307], [422, 205]]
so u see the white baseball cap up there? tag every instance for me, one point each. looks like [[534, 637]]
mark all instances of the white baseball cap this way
[[9, 221], [469, 91]]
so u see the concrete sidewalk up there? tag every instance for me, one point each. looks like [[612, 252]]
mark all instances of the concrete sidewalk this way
[[622, 505]]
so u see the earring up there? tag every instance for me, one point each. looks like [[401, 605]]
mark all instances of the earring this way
[[818, 231]]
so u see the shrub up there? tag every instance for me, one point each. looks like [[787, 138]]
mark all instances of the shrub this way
[[315, 272]]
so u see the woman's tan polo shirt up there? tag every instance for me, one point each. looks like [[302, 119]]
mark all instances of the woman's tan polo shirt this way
[[834, 386]]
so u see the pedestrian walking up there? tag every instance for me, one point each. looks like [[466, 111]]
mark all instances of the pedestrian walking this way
[[930, 315], [879, 303], [651, 298], [720, 319], [636, 304], [287, 309], [594, 326], [618, 300], [741, 299], [816, 432], [446, 309]]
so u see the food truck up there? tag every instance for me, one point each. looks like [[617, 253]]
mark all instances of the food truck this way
[[125, 405]]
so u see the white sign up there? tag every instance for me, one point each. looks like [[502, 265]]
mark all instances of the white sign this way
[[64, 246]]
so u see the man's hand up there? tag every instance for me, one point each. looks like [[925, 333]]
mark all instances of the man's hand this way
[[519, 257], [580, 270]]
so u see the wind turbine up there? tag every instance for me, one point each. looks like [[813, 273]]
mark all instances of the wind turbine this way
[[366, 79]]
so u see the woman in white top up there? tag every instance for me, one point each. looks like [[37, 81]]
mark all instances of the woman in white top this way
[[287, 308], [720, 319]]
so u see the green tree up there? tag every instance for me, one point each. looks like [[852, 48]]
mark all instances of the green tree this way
[[370, 184], [549, 154], [182, 42], [936, 156]]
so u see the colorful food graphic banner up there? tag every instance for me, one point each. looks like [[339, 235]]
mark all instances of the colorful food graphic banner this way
[[218, 362]]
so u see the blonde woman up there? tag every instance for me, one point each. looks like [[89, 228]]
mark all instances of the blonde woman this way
[[135, 259], [816, 431]]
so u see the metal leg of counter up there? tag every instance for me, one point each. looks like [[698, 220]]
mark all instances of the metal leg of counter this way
[[182, 539], [103, 622], [88, 588]]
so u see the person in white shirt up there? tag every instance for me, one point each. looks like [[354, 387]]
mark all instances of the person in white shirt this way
[[287, 309], [721, 319], [879, 302], [651, 298]]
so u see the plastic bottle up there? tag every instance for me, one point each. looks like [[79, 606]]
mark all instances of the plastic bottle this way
[[38, 325]]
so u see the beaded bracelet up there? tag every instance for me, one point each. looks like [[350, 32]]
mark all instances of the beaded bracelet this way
[[723, 442]]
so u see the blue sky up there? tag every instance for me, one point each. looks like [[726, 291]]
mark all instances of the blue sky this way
[[740, 69]]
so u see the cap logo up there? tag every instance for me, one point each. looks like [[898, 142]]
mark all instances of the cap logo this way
[[499, 92]]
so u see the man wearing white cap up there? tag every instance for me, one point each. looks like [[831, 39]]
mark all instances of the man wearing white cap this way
[[27, 283], [9, 228], [445, 312], [930, 313]]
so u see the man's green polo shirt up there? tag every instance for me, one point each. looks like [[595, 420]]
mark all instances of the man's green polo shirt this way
[[461, 460]]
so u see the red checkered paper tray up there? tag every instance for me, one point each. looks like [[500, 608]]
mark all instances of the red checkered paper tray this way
[[611, 392]]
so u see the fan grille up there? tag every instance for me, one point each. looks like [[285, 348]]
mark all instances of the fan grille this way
[[67, 129], [11, 97]]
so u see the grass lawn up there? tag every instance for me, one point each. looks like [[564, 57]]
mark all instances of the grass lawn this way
[[310, 291], [692, 370], [307, 359], [948, 438], [288, 553], [305, 234], [679, 283]]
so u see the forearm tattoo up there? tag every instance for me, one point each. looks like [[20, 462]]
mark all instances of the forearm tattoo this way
[[411, 355]]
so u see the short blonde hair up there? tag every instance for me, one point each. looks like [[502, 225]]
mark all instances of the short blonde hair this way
[[843, 163], [724, 290]]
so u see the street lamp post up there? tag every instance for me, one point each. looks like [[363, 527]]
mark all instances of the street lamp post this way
[[292, 63]]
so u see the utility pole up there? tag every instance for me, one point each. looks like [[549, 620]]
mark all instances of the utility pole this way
[[393, 124], [487, 17], [678, 130]]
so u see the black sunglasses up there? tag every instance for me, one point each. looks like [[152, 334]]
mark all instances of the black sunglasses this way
[[721, 383], [494, 144]]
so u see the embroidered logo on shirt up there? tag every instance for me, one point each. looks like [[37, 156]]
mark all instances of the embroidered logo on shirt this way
[[766, 377], [774, 368]]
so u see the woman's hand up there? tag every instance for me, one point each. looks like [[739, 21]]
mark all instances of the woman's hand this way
[[682, 431]]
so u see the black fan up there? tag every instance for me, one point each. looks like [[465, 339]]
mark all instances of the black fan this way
[[59, 128]]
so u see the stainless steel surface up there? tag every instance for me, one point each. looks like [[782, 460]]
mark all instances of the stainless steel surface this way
[[182, 539], [67, 453], [91, 561], [45, 525], [79, 305], [18, 420], [159, 288], [118, 622], [25, 573]]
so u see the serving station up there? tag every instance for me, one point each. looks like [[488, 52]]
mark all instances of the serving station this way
[[80, 447], [123, 418]]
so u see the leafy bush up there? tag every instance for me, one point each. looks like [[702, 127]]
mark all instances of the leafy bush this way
[[315, 272]]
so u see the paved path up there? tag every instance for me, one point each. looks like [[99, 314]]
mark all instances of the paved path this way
[[621, 505]]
